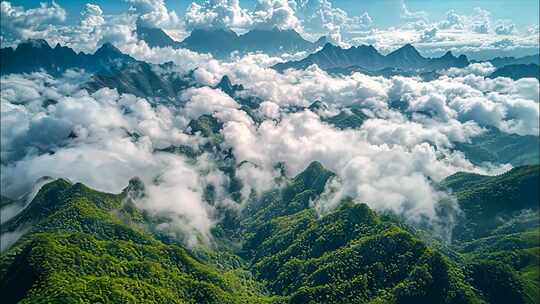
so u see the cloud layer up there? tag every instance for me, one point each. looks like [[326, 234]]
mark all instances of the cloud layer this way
[[52, 127]]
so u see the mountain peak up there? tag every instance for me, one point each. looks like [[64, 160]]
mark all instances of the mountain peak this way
[[367, 49], [225, 81], [407, 49], [322, 40], [228, 87], [34, 43], [154, 37], [108, 49], [217, 31], [448, 55], [329, 46]]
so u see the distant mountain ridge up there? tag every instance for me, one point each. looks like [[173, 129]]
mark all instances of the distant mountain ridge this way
[[366, 57], [36, 54], [221, 43], [504, 61], [517, 71]]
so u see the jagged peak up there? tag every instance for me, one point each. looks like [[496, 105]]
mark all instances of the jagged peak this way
[[135, 188], [406, 49], [315, 168], [206, 31], [368, 48], [329, 46], [225, 81], [108, 49], [448, 54], [35, 43], [322, 40], [318, 105], [107, 46], [226, 85]]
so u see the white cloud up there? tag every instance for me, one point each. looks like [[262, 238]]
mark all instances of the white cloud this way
[[279, 14], [19, 24], [86, 137], [321, 17], [409, 15], [219, 14], [429, 35], [481, 69], [505, 27], [154, 13]]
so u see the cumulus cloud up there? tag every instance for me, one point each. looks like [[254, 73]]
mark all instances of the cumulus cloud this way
[[275, 14], [312, 18], [481, 69], [218, 14], [481, 21], [505, 27], [154, 13], [429, 35], [370, 169], [409, 15], [64, 132], [19, 24], [51, 128], [320, 16], [476, 33]]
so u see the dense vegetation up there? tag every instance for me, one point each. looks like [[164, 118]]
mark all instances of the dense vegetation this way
[[83, 249], [86, 246], [498, 233], [498, 147]]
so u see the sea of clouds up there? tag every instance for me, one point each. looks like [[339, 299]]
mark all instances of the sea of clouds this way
[[52, 127], [393, 162]]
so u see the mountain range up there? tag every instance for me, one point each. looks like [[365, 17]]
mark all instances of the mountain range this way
[[517, 71], [366, 57], [114, 69], [221, 43], [277, 249], [503, 61], [37, 54]]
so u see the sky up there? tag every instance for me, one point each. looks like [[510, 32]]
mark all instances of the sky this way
[[384, 12], [479, 28]]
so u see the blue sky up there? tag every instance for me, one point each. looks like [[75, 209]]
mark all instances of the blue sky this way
[[383, 12]]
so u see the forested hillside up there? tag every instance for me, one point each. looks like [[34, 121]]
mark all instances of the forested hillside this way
[[82, 245]]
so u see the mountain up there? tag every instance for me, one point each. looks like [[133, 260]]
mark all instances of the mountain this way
[[405, 59], [222, 42], [157, 83], [517, 71], [487, 201], [499, 147], [498, 232], [155, 37], [227, 87], [86, 236], [283, 250], [35, 55], [503, 61]]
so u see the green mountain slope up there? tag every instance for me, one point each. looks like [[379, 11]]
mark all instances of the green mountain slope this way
[[498, 233], [81, 250], [87, 246], [350, 255], [487, 201], [498, 147]]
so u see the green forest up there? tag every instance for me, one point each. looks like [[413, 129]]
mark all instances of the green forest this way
[[84, 246]]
